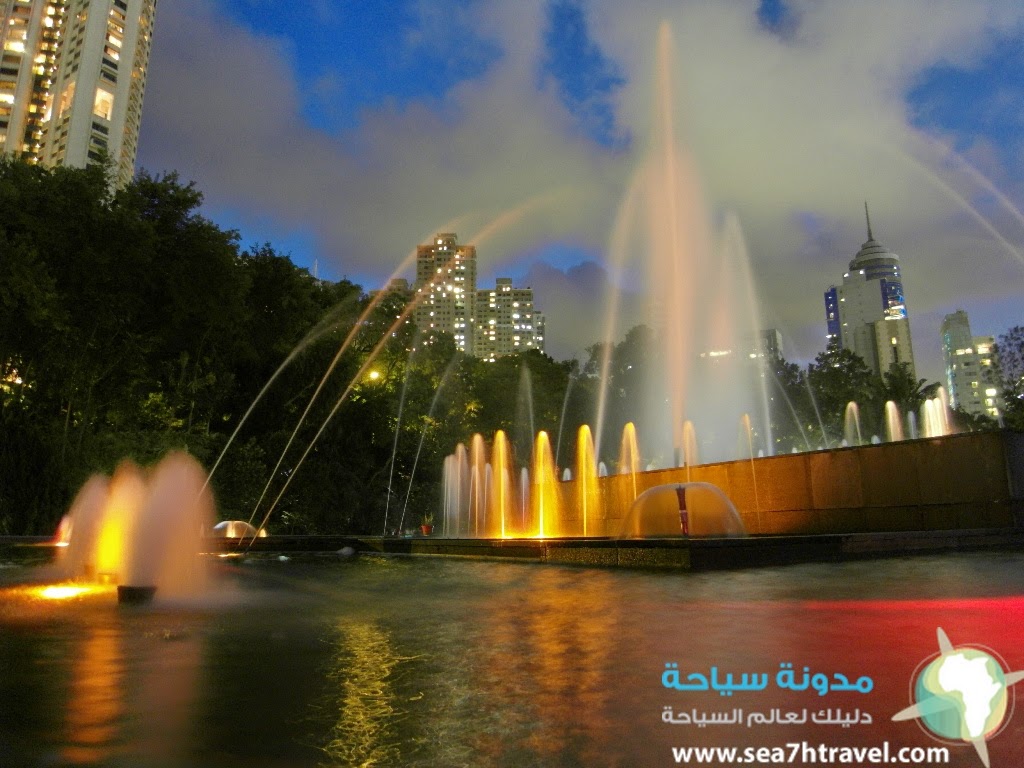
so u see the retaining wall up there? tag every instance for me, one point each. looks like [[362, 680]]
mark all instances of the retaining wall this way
[[958, 482]]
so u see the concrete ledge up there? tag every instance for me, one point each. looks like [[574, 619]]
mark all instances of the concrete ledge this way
[[668, 553], [679, 554]]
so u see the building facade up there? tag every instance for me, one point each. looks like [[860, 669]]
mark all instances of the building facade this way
[[487, 323], [72, 80], [867, 313], [506, 321], [972, 372], [445, 289]]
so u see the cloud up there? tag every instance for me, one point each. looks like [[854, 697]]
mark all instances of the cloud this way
[[807, 122], [573, 301], [224, 108]]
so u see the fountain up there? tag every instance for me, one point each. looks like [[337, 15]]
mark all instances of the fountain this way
[[707, 356], [501, 496], [935, 415], [586, 476], [140, 531], [701, 365], [706, 367], [690, 509], [851, 425], [545, 491], [893, 422], [588, 502]]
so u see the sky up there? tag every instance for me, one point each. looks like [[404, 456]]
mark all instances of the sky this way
[[345, 132]]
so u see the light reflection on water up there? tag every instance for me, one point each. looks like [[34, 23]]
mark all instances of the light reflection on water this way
[[94, 705], [360, 679], [401, 662]]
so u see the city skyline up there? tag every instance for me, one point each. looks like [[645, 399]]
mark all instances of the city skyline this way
[[519, 128]]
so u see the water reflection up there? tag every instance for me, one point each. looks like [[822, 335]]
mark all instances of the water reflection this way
[[422, 663], [95, 705], [544, 655], [360, 676]]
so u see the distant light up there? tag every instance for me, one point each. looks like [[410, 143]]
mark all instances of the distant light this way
[[374, 375]]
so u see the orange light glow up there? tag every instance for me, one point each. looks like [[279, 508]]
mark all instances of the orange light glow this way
[[501, 495], [65, 591], [109, 547], [96, 701], [588, 499], [545, 488], [127, 492]]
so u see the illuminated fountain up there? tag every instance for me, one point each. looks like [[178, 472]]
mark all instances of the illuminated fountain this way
[[935, 415], [705, 368], [140, 531], [694, 509], [893, 423], [531, 501], [704, 374], [851, 425], [706, 371], [588, 498]]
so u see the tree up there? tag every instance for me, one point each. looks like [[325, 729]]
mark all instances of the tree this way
[[899, 386], [1010, 353], [631, 378], [794, 421], [838, 377]]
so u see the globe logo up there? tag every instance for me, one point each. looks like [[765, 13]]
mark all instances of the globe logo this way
[[962, 695]]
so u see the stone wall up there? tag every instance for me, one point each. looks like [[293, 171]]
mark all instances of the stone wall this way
[[967, 481]]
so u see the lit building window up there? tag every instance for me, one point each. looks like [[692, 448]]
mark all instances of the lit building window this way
[[103, 106]]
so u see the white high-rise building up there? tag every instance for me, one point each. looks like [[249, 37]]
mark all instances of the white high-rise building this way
[[506, 321], [72, 79], [445, 289], [487, 323], [972, 374], [867, 314]]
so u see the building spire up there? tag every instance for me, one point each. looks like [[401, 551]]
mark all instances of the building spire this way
[[868, 217]]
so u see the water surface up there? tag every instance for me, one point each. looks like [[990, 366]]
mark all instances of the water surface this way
[[433, 662]]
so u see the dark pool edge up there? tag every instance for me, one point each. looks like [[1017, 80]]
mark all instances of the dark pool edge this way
[[677, 554], [673, 554]]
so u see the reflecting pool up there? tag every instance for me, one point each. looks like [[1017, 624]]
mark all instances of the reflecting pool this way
[[382, 661]]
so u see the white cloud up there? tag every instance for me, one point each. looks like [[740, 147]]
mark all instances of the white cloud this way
[[815, 123]]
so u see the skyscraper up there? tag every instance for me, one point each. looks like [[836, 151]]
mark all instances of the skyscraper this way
[[487, 323], [72, 78], [446, 289], [506, 321], [972, 375], [867, 314]]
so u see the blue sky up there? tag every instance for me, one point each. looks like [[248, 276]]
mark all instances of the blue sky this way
[[346, 132]]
